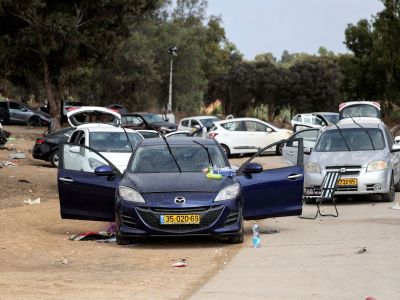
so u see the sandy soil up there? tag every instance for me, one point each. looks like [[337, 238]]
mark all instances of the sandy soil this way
[[38, 261]]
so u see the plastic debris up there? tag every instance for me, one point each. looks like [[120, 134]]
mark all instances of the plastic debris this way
[[180, 263], [65, 261], [396, 205], [17, 155], [111, 227], [31, 202], [91, 236], [6, 163], [270, 231], [24, 181], [361, 251], [112, 239]]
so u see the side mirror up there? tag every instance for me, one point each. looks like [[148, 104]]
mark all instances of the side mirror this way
[[197, 126], [75, 149], [23, 109], [104, 171], [397, 139], [307, 150], [395, 148], [253, 168], [269, 130]]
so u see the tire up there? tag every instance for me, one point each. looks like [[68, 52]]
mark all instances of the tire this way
[[226, 150], [397, 186], [34, 122], [279, 149], [309, 201], [55, 158], [122, 240], [389, 197], [238, 238]]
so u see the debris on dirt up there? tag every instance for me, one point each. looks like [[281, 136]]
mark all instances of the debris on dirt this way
[[6, 164], [361, 251], [396, 205], [270, 231], [17, 155], [112, 239], [370, 298], [24, 181], [65, 261], [11, 139], [31, 202], [180, 263], [111, 228], [91, 236]]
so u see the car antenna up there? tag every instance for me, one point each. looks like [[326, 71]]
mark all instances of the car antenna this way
[[366, 131], [208, 152], [127, 136], [341, 134], [170, 152]]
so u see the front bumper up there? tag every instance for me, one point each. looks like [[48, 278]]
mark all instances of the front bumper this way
[[376, 182], [221, 219]]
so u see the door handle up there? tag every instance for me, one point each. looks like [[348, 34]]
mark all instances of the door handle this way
[[294, 176], [66, 180]]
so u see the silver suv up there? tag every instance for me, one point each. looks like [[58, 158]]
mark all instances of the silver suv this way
[[364, 151], [17, 112]]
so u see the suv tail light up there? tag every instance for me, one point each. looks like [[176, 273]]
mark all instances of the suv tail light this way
[[40, 141], [212, 134]]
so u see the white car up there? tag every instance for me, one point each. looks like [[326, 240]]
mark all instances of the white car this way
[[190, 123], [113, 142], [314, 120], [247, 135]]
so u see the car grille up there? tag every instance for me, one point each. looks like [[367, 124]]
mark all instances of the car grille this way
[[349, 170], [208, 216]]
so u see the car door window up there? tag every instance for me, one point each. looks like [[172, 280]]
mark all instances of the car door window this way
[[316, 121], [194, 123], [16, 106], [185, 123], [235, 126], [309, 138], [81, 158]]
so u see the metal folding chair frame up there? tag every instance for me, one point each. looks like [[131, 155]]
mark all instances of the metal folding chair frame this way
[[327, 192]]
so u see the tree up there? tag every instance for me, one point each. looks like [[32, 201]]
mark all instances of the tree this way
[[50, 40]]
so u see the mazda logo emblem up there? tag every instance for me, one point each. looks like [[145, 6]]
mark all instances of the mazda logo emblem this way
[[179, 200], [342, 170]]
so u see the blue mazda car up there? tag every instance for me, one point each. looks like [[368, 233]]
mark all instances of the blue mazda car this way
[[166, 190]]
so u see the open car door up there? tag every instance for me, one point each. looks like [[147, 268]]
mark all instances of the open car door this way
[[83, 194], [272, 191]]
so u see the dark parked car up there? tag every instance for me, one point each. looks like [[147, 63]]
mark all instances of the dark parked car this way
[[145, 120], [47, 147], [164, 191], [21, 113]]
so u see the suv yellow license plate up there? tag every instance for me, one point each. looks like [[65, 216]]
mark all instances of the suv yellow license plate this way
[[179, 219], [347, 182]]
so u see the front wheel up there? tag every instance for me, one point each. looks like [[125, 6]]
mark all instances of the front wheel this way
[[389, 197], [55, 158], [226, 150], [34, 122], [238, 238], [122, 240]]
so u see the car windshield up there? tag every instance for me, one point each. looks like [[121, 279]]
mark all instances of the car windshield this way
[[357, 139], [360, 110], [152, 118], [209, 122], [113, 141], [332, 118], [191, 158]]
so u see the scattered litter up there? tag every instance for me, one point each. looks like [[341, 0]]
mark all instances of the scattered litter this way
[[361, 251], [112, 239], [111, 228], [270, 231], [396, 205], [6, 163], [17, 155], [65, 261], [370, 298], [180, 263], [91, 236], [24, 181], [11, 139], [31, 202]]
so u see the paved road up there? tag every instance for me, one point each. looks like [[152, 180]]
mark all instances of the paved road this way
[[318, 259]]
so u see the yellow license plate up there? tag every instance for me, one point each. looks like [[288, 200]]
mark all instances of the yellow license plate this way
[[179, 219], [347, 182]]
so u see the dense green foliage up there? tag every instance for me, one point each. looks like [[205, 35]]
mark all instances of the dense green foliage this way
[[116, 51]]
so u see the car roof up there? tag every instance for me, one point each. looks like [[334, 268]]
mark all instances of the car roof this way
[[200, 117], [363, 121], [179, 141]]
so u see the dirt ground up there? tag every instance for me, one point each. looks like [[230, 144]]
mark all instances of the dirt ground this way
[[38, 261]]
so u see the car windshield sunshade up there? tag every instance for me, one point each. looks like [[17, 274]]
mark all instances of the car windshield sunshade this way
[[191, 158], [357, 139]]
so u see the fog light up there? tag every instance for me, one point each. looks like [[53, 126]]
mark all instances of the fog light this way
[[377, 187]]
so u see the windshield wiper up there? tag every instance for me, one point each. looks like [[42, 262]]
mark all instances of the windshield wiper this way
[[208, 152], [341, 134], [366, 131], [170, 152]]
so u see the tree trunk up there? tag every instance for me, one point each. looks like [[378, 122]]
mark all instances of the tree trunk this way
[[52, 100]]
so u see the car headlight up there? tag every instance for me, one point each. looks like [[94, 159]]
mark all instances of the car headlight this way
[[129, 194], [377, 165], [228, 193], [312, 168]]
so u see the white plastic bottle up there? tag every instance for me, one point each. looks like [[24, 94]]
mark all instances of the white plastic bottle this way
[[256, 236]]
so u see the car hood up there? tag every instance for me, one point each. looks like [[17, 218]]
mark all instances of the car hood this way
[[342, 158], [175, 182]]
